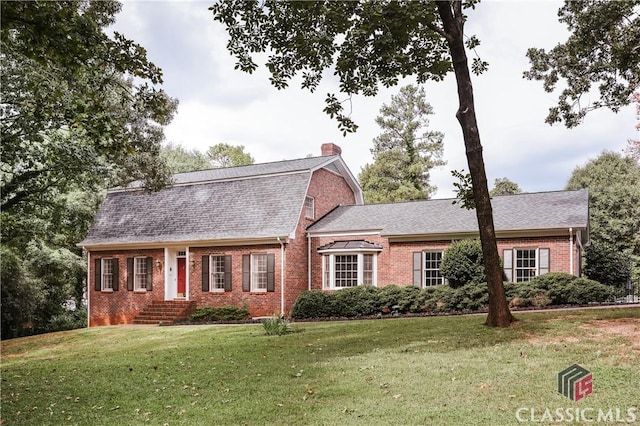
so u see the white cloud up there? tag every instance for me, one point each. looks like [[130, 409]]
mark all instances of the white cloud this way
[[220, 104]]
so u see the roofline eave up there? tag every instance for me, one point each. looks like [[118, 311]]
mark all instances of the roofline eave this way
[[186, 243]]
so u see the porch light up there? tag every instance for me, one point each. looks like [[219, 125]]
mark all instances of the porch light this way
[[158, 264]]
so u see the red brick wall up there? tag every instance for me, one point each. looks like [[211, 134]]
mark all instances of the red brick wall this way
[[395, 262], [258, 303], [121, 306]]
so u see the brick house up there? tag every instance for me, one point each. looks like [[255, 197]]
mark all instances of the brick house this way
[[260, 235]]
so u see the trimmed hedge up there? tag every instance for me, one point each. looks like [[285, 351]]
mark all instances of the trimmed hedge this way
[[222, 313], [548, 289]]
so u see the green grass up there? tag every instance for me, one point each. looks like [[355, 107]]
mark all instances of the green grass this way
[[435, 371]]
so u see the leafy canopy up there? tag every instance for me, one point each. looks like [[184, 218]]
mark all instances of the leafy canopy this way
[[503, 186], [225, 155], [405, 151], [601, 51]]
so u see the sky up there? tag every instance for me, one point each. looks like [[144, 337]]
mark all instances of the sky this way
[[218, 104]]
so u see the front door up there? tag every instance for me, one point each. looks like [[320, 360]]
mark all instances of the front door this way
[[182, 277]]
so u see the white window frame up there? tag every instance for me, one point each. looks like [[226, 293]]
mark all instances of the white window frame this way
[[104, 274], [425, 282], [139, 278], [215, 274], [329, 269], [258, 276], [309, 207], [535, 270]]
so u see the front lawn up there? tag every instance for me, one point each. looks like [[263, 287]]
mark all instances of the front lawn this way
[[432, 370]]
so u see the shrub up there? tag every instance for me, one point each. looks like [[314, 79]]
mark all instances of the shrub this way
[[389, 296], [440, 298], [579, 291], [357, 301], [607, 264], [276, 325], [462, 263], [223, 313], [313, 304], [548, 281], [472, 297]]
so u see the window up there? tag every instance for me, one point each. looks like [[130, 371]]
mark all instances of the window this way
[[524, 264], [432, 276], [139, 273], [309, 208], [258, 272], [342, 270], [107, 274], [216, 273], [140, 278], [426, 268]]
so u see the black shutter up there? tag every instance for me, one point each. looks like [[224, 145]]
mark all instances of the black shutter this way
[[417, 268], [149, 273], [98, 274], [130, 273], [271, 275], [205, 273], [116, 273], [227, 273], [246, 272]]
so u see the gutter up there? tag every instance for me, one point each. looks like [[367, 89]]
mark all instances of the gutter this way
[[571, 250], [88, 284]]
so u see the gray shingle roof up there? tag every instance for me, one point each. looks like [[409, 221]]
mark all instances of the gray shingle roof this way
[[350, 245], [252, 170], [533, 211], [263, 207]]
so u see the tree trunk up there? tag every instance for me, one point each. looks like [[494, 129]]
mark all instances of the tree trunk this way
[[453, 23]]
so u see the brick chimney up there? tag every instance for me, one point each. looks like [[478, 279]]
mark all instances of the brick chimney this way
[[330, 149]]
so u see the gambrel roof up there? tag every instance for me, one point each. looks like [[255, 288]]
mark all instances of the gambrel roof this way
[[538, 213], [236, 204]]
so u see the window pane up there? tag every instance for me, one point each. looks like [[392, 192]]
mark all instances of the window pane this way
[[367, 268], [107, 274], [259, 271], [525, 265], [217, 272], [346, 270], [309, 207], [140, 279], [432, 260]]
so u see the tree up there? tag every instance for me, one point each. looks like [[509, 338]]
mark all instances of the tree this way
[[180, 160], [80, 111], [601, 50], [614, 200], [503, 186], [225, 155], [633, 148], [372, 43], [405, 152], [606, 264]]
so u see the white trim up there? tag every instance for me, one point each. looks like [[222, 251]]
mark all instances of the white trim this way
[[360, 271], [253, 278], [347, 233], [88, 286], [282, 254], [571, 251], [187, 271], [136, 284], [193, 243]]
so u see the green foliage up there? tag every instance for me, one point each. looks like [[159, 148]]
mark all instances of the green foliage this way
[[356, 301], [601, 51], [580, 291], [405, 152], [225, 155], [462, 263], [276, 326], [313, 304], [81, 111], [614, 200], [464, 190], [605, 264], [503, 186], [221, 313], [180, 160]]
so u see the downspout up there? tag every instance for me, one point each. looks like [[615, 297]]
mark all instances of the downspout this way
[[88, 284], [281, 277], [571, 251], [309, 262]]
